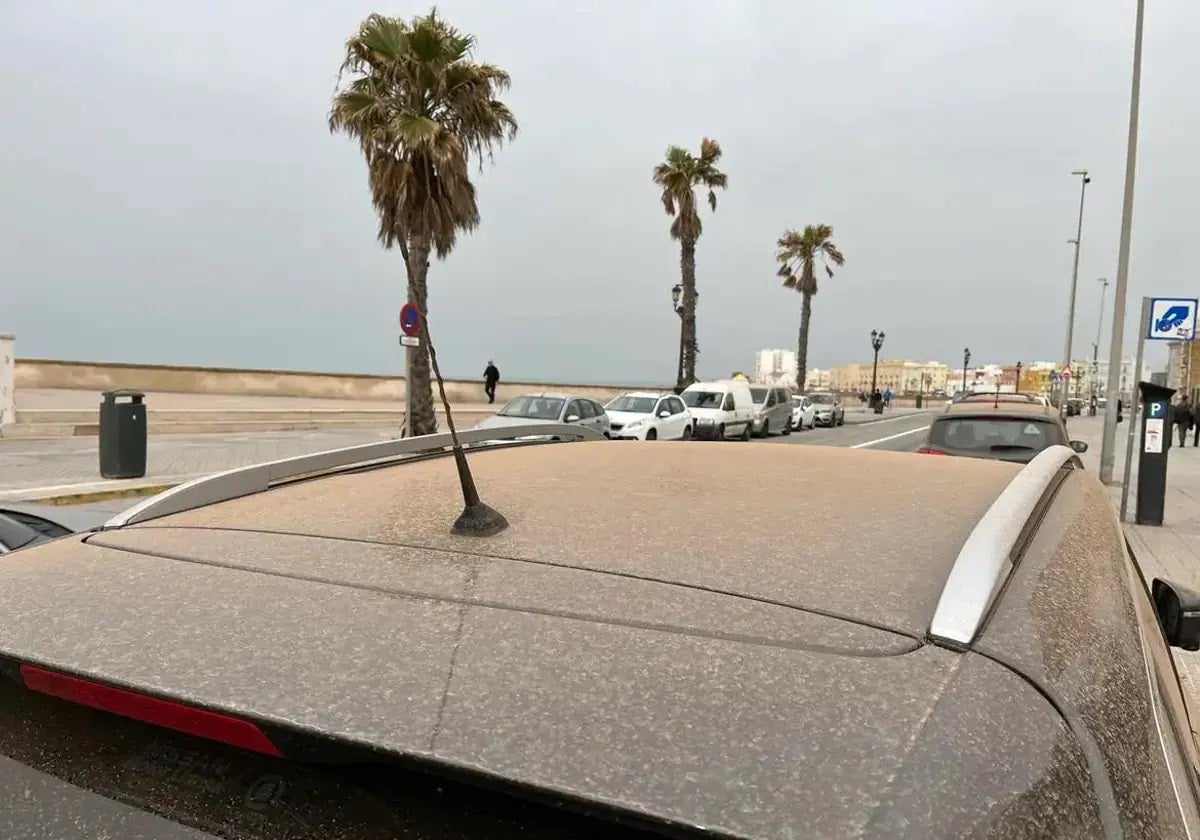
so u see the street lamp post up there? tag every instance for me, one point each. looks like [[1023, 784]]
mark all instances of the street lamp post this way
[[1084, 181], [1017, 387], [1096, 347], [966, 361], [1113, 388], [676, 295], [876, 345]]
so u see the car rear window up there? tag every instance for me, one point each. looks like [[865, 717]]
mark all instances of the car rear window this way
[[994, 434], [232, 793]]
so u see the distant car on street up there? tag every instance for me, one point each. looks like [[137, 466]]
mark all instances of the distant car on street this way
[[804, 412], [829, 408], [307, 649], [649, 415], [1001, 429], [531, 409], [772, 410]]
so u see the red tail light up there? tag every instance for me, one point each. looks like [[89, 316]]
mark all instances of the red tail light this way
[[168, 714], [929, 450]]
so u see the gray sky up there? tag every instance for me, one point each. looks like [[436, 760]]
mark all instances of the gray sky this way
[[169, 191]]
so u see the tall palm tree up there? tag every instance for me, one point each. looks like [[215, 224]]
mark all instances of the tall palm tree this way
[[421, 109], [679, 175], [798, 255]]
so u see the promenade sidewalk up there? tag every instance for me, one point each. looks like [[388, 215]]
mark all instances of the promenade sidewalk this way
[[1170, 550]]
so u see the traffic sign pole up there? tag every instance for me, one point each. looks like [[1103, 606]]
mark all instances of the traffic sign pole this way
[[1134, 414]]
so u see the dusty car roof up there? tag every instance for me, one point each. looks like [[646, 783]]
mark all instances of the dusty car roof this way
[[1022, 409], [633, 637], [683, 516]]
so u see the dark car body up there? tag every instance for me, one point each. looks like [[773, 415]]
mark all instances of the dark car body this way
[[1011, 429], [23, 524], [601, 667]]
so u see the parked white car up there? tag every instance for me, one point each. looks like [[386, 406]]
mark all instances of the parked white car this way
[[804, 413], [649, 415], [723, 408]]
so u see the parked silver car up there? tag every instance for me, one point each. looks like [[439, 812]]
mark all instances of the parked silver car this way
[[772, 410], [829, 408], [307, 649], [530, 409]]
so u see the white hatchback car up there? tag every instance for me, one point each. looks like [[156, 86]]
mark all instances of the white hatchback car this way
[[804, 413], [649, 415]]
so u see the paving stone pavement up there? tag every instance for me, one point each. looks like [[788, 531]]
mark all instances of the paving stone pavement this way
[[44, 467]]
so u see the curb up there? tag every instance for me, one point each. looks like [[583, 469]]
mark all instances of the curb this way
[[102, 495]]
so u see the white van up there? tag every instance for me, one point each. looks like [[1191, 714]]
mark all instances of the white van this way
[[722, 409]]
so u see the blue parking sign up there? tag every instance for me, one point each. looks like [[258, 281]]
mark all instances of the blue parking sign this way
[[1172, 319]]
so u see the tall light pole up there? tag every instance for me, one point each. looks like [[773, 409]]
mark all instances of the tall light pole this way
[[676, 294], [1096, 345], [966, 361], [1108, 442], [1084, 181], [1017, 389]]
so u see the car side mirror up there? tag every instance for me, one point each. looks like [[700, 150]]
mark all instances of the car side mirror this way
[[572, 418], [1178, 612], [1079, 446], [664, 413]]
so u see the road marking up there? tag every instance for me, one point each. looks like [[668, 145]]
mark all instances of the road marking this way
[[890, 437], [885, 419]]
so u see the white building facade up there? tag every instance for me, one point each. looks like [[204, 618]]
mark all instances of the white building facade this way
[[775, 367]]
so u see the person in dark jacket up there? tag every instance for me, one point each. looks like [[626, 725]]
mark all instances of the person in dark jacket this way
[[1183, 419], [491, 375]]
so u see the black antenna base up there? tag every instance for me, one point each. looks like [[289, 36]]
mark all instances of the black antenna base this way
[[479, 520]]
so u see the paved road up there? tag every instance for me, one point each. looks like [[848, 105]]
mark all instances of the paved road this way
[[900, 433], [31, 469]]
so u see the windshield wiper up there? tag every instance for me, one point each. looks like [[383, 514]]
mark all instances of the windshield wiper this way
[[1010, 447]]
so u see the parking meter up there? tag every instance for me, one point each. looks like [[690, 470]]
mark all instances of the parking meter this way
[[1154, 443]]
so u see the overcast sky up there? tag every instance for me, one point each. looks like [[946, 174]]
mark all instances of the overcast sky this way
[[169, 191]]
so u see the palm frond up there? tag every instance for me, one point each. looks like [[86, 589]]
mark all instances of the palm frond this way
[[420, 108]]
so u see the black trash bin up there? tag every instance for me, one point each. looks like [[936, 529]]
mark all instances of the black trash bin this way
[[123, 434]]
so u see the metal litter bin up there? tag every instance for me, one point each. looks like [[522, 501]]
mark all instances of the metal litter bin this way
[[123, 434]]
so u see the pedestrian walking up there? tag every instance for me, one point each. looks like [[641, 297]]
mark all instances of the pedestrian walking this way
[[887, 398], [1183, 419], [491, 375]]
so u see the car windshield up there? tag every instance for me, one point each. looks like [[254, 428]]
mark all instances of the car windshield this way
[[703, 399], [822, 399], [994, 434], [537, 408], [759, 395], [634, 405]]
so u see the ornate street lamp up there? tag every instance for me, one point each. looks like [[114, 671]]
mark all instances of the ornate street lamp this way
[[876, 345], [1017, 388], [677, 305], [966, 361]]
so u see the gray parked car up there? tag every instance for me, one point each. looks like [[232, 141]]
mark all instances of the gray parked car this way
[[305, 649], [530, 409]]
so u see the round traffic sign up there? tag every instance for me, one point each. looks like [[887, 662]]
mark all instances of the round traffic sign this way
[[410, 319]]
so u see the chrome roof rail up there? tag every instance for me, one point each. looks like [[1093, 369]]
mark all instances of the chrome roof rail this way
[[986, 558], [243, 481]]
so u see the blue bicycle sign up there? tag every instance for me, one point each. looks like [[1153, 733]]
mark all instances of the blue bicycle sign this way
[[1172, 319]]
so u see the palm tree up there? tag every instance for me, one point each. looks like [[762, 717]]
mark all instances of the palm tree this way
[[797, 254], [420, 108], [678, 176]]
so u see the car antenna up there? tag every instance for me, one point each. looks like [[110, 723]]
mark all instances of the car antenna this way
[[477, 519]]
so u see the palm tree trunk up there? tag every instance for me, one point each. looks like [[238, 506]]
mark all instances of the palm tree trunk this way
[[802, 341], [423, 421], [687, 268]]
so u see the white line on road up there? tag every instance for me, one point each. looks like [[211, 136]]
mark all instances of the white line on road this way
[[889, 437], [885, 420]]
